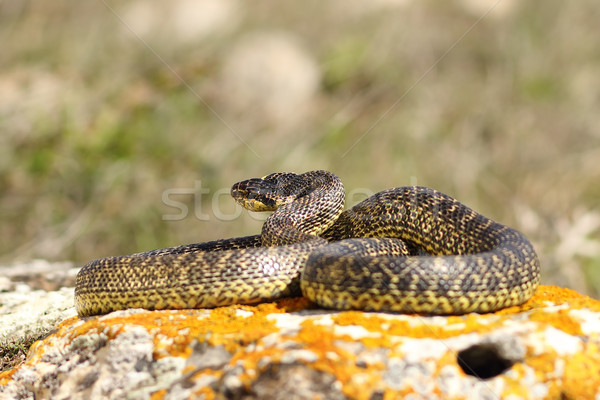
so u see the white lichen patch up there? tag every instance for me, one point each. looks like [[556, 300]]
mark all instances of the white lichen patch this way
[[27, 311], [562, 343], [284, 322], [423, 349], [356, 332], [302, 355], [589, 320], [243, 313]]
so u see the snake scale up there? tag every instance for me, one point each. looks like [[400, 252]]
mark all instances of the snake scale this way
[[407, 249]]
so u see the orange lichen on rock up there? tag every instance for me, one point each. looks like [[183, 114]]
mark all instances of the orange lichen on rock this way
[[554, 295], [220, 326], [5, 376], [582, 374], [231, 351], [331, 358], [560, 319], [417, 326]]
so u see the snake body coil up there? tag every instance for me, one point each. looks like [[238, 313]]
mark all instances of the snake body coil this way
[[407, 249]]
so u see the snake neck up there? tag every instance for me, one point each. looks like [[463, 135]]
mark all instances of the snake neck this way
[[318, 200]]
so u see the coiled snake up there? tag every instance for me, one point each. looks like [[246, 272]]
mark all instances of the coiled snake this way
[[407, 249]]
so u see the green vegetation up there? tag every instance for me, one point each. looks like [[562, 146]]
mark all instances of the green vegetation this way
[[94, 127], [14, 351]]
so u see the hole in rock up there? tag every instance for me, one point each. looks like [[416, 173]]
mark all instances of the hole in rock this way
[[483, 361]]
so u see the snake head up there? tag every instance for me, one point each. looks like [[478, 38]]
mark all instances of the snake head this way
[[266, 193]]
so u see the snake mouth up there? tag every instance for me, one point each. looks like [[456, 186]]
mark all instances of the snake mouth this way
[[255, 205]]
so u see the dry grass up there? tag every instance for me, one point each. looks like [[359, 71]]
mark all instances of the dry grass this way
[[94, 127]]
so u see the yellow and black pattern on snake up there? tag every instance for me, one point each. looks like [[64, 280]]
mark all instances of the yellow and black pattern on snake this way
[[472, 262], [223, 272]]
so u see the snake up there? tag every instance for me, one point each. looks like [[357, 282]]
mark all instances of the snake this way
[[409, 249]]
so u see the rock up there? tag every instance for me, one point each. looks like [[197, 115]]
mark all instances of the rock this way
[[38, 274], [26, 307], [546, 348], [32, 301]]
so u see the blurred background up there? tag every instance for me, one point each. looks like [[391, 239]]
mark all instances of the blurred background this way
[[124, 124]]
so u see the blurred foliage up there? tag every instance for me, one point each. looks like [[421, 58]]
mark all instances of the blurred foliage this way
[[108, 107]]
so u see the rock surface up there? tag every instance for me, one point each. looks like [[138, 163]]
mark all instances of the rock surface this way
[[33, 297], [549, 348]]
